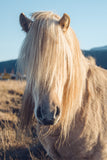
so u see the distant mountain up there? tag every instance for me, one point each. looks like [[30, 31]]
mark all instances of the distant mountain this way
[[99, 53], [8, 66], [99, 48]]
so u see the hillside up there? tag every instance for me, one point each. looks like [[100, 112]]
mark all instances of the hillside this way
[[99, 53], [8, 66], [99, 48]]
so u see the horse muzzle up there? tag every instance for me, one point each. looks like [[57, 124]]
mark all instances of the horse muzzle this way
[[45, 117]]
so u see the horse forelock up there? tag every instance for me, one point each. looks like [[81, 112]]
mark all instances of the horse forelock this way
[[49, 57]]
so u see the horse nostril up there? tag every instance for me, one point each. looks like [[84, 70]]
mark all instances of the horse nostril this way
[[57, 111], [39, 114]]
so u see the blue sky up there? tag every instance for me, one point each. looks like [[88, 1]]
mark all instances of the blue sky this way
[[88, 20]]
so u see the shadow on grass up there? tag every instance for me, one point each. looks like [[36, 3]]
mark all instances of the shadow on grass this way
[[36, 152]]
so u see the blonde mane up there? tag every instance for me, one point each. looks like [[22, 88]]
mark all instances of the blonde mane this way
[[48, 56], [54, 57]]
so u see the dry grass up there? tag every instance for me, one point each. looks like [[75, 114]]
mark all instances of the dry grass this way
[[15, 144]]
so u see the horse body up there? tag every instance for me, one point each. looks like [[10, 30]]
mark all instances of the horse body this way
[[66, 91]]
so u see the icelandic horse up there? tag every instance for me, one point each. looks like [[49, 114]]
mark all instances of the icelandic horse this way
[[66, 91]]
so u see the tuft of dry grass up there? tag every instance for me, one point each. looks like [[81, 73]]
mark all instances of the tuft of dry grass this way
[[15, 144]]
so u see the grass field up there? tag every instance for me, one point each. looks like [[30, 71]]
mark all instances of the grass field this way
[[15, 144]]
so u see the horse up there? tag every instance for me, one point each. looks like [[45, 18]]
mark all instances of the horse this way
[[66, 91]]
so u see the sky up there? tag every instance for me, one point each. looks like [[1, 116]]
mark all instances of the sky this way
[[88, 20]]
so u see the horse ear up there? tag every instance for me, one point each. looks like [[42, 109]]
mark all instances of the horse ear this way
[[25, 22], [64, 22]]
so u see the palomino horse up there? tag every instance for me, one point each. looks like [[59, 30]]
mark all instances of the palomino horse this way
[[66, 91]]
